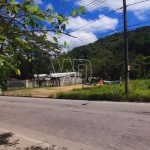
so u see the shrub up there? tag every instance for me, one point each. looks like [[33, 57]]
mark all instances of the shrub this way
[[138, 93]]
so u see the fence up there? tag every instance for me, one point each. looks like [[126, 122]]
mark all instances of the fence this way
[[18, 84]]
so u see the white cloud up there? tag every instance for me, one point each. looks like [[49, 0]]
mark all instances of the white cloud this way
[[38, 2], [87, 34], [49, 6], [103, 24], [138, 9], [17, 2], [98, 5], [140, 14], [82, 38], [78, 38]]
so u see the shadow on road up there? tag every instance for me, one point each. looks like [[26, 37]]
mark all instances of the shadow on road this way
[[6, 144], [5, 140]]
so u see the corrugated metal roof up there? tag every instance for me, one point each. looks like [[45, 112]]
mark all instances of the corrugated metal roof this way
[[56, 75], [63, 74], [40, 75]]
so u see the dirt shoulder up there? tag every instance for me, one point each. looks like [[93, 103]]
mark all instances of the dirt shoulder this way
[[41, 92]]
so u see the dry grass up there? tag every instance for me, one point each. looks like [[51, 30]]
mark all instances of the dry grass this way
[[41, 92]]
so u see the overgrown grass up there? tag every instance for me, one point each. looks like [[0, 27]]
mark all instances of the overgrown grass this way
[[139, 92]]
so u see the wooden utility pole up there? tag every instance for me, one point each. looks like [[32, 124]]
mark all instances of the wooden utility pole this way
[[126, 57]]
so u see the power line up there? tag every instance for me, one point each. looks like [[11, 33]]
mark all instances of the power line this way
[[87, 41], [138, 2], [118, 29], [115, 30], [108, 15], [111, 13], [92, 3], [96, 20], [112, 5], [139, 23], [96, 4], [83, 2], [86, 4]]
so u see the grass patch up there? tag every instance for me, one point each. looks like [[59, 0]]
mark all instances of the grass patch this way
[[139, 92], [40, 91], [35, 88]]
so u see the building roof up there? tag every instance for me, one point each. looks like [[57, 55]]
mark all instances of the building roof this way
[[40, 75], [63, 74], [57, 75]]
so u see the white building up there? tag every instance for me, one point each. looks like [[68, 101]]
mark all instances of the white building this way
[[59, 79]]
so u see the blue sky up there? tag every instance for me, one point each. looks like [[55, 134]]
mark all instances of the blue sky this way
[[96, 24]]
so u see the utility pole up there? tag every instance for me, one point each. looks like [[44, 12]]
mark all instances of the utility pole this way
[[126, 57]]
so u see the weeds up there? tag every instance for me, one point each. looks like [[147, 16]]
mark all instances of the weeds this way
[[139, 92]]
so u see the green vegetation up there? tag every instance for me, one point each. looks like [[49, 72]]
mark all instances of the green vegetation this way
[[23, 37], [139, 92], [21, 50], [35, 88], [107, 54]]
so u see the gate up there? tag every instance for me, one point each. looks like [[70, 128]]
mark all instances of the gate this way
[[18, 84]]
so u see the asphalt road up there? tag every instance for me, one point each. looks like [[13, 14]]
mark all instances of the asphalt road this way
[[78, 124]]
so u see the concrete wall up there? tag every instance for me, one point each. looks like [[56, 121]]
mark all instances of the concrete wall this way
[[70, 80], [18, 84], [54, 82]]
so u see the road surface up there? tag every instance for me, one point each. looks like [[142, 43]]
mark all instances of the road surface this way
[[77, 125]]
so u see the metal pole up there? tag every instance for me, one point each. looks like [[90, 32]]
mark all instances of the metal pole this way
[[126, 57]]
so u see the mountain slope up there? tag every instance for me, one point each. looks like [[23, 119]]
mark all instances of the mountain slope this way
[[107, 54]]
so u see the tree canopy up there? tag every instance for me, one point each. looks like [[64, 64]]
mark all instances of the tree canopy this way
[[23, 29], [107, 55]]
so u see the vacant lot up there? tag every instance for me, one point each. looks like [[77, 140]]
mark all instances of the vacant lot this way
[[41, 92], [139, 92]]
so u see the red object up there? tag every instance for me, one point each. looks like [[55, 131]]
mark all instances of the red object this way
[[100, 81]]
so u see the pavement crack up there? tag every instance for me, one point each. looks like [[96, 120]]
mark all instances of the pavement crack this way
[[85, 104]]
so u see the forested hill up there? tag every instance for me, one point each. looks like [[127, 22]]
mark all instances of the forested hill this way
[[107, 54]]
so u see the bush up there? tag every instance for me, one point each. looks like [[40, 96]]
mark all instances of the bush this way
[[138, 93]]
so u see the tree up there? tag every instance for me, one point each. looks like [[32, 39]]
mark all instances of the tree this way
[[23, 28], [106, 55]]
